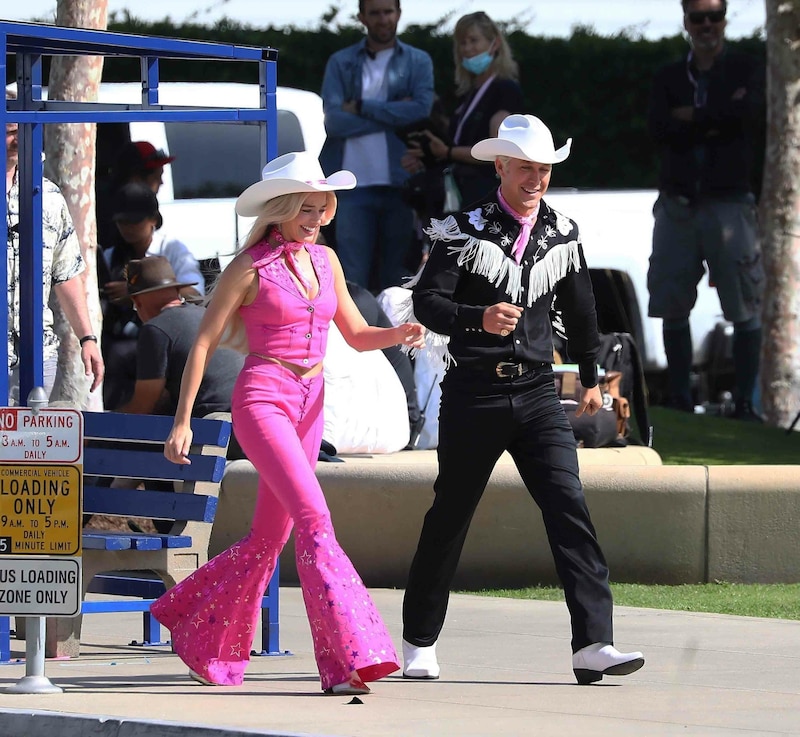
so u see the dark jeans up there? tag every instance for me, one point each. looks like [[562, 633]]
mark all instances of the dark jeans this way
[[374, 228], [477, 422]]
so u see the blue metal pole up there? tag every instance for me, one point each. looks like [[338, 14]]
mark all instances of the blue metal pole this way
[[30, 349]]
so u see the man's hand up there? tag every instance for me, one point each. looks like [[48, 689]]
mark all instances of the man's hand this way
[[501, 319], [93, 362], [350, 107], [591, 401], [411, 160]]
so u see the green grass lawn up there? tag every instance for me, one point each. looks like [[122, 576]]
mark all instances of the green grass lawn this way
[[706, 440], [753, 600], [684, 439]]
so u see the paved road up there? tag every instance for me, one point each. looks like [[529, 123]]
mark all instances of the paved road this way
[[505, 672]]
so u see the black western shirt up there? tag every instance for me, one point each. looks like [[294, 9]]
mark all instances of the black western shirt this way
[[470, 268]]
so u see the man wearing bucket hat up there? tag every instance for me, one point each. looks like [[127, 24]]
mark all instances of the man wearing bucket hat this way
[[276, 300], [486, 291], [170, 326]]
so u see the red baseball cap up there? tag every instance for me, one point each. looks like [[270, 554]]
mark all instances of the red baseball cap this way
[[151, 157]]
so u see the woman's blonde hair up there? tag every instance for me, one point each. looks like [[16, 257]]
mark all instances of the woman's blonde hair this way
[[503, 65], [274, 212]]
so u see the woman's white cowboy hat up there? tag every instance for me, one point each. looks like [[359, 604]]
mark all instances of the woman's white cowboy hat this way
[[294, 172], [522, 137]]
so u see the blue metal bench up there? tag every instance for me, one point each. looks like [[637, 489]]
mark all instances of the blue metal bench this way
[[137, 567]]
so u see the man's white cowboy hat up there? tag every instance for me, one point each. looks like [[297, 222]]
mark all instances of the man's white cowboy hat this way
[[522, 137], [294, 172]]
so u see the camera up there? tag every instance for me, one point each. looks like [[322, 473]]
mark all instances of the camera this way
[[420, 139]]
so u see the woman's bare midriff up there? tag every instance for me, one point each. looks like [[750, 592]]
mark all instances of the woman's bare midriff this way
[[301, 371]]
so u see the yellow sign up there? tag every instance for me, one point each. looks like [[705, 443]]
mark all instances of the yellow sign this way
[[40, 509]]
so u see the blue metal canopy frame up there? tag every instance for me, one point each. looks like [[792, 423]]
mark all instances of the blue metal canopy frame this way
[[28, 43]]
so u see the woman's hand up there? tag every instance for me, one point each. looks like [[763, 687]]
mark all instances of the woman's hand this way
[[176, 448], [437, 146], [411, 334]]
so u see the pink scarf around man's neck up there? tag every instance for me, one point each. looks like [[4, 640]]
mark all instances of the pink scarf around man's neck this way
[[526, 224]]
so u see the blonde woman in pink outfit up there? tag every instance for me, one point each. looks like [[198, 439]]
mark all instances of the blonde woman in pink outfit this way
[[276, 300]]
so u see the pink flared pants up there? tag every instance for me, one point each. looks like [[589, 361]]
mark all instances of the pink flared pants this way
[[212, 614]]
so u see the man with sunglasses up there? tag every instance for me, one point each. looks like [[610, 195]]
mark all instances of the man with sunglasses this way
[[707, 117]]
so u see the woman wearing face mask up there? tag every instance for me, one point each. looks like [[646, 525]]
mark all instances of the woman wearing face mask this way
[[488, 91]]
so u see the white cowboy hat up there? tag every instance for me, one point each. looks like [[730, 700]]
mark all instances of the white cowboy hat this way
[[294, 172], [522, 137]]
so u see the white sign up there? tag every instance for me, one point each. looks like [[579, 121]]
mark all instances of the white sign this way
[[47, 436], [40, 587]]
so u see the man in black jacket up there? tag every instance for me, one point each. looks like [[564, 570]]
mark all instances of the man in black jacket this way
[[488, 286], [707, 115]]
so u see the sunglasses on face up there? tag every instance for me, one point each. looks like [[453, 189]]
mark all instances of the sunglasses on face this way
[[698, 17]]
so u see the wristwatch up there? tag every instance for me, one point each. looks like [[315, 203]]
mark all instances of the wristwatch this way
[[87, 337]]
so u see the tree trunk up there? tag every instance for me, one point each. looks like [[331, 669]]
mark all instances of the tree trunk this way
[[780, 217], [70, 162]]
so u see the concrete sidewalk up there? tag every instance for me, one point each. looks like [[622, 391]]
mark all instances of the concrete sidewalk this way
[[505, 672]]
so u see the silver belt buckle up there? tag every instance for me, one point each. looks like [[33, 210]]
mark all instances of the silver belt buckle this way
[[503, 364]]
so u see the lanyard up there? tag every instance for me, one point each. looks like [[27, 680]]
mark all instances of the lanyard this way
[[472, 103], [700, 86]]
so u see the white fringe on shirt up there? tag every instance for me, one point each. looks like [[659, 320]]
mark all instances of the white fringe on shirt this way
[[487, 259]]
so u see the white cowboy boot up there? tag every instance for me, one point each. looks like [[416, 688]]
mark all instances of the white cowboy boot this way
[[420, 662], [593, 662]]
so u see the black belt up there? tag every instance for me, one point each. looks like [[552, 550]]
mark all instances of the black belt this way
[[509, 369]]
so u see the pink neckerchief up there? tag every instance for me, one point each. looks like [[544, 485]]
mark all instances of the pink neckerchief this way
[[526, 224], [290, 248]]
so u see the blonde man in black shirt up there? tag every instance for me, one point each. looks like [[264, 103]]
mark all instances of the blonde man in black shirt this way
[[487, 291]]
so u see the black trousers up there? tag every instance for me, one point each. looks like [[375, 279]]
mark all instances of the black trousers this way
[[477, 422]]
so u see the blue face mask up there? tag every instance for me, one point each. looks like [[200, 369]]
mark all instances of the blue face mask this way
[[478, 64]]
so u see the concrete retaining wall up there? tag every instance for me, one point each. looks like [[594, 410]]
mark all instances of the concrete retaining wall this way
[[656, 523]]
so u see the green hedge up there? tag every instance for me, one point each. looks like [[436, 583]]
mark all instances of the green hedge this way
[[590, 87]]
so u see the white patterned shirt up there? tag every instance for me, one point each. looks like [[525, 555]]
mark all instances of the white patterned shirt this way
[[61, 261]]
